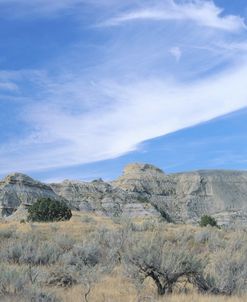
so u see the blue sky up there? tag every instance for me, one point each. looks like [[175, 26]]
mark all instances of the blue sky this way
[[88, 86]]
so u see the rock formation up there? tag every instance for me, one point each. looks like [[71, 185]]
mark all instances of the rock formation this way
[[18, 189], [222, 194], [103, 198], [142, 190], [185, 197]]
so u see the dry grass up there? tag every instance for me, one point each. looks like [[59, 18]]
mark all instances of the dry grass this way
[[116, 287], [200, 298], [76, 227]]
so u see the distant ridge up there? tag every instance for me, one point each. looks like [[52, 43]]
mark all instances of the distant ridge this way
[[142, 191]]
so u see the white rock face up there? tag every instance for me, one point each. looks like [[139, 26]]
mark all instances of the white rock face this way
[[141, 177], [17, 189], [185, 197], [150, 184], [103, 198], [222, 194], [143, 190]]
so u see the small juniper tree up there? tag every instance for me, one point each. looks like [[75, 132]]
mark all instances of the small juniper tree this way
[[47, 209], [208, 220]]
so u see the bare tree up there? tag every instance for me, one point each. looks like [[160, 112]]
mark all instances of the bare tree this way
[[220, 269], [165, 262]]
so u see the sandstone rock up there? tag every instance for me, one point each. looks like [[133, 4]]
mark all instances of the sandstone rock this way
[[140, 177], [142, 191], [21, 214], [102, 198], [17, 189], [216, 193], [185, 197]]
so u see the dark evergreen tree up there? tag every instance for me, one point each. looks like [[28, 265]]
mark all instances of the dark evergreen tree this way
[[208, 220], [46, 209]]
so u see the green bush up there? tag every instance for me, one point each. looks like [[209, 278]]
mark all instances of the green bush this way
[[208, 220], [46, 209], [7, 233]]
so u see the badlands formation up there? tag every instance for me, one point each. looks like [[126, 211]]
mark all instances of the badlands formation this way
[[142, 191]]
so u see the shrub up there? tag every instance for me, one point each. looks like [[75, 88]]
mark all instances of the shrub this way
[[40, 295], [163, 261], [7, 233], [208, 220], [31, 249], [86, 254], [147, 225], [87, 219], [46, 209], [64, 242], [31, 294], [61, 278], [12, 281], [228, 265], [142, 199]]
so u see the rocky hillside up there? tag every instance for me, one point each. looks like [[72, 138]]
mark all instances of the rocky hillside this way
[[185, 197], [142, 190], [18, 189], [104, 198]]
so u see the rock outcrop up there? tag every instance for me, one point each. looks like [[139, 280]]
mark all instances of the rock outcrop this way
[[149, 183], [222, 194], [185, 197], [142, 190], [103, 198], [18, 189]]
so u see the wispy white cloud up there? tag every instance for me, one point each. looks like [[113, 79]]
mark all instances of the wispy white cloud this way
[[138, 111], [134, 92], [8, 86], [203, 13], [176, 53]]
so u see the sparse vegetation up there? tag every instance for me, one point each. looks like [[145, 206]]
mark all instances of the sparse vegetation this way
[[142, 199], [95, 259], [162, 261], [7, 233]]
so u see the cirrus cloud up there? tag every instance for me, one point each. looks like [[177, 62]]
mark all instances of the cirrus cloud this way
[[131, 89], [203, 13]]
